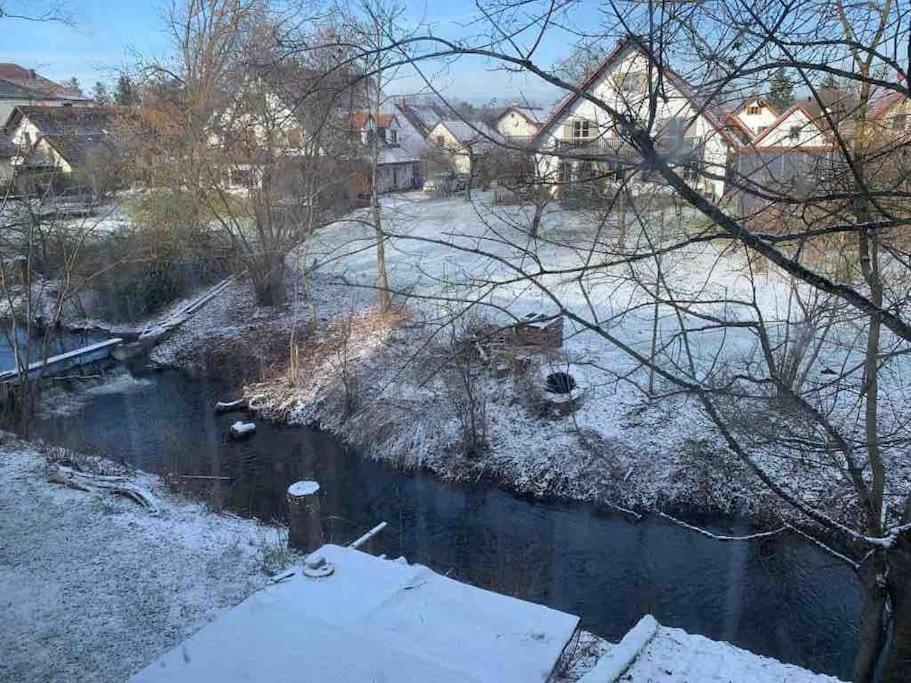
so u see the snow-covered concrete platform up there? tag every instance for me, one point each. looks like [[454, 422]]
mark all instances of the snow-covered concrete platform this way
[[371, 620], [652, 653]]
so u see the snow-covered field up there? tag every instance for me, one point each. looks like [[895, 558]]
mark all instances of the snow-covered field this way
[[92, 587], [387, 383]]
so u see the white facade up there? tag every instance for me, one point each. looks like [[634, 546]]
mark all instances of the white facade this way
[[515, 123], [623, 86], [457, 155], [756, 115], [794, 128]]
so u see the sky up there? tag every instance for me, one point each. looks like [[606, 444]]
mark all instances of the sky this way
[[105, 35]]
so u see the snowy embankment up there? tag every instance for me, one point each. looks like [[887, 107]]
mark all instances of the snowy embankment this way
[[93, 586], [388, 385]]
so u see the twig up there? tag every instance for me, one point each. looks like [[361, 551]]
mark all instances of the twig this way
[[719, 537], [828, 549]]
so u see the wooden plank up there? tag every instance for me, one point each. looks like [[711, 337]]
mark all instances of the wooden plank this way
[[8, 375]]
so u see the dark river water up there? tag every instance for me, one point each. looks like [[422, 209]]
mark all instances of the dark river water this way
[[780, 596]]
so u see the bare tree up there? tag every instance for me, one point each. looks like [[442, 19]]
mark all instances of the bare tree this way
[[799, 431]]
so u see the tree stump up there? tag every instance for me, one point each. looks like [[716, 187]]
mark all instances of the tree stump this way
[[305, 528]]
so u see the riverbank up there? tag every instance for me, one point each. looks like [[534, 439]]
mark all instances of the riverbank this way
[[387, 384], [94, 586]]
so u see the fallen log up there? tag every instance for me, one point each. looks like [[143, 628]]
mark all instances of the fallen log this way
[[230, 406], [83, 481]]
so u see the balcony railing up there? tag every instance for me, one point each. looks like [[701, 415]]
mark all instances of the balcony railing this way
[[681, 149]]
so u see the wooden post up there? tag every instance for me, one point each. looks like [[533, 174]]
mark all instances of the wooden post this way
[[305, 528]]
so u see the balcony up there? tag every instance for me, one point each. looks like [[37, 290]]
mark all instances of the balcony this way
[[675, 150]]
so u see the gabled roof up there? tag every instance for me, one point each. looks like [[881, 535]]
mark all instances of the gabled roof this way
[[55, 120], [358, 120], [17, 82], [534, 115], [469, 132], [884, 103], [422, 117], [714, 118], [757, 98], [797, 106]]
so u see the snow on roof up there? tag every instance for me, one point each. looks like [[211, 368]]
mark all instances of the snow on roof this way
[[421, 116], [534, 115], [396, 155], [371, 620], [654, 653], [469, 132]]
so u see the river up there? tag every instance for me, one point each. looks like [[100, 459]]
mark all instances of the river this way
[[780, 596]]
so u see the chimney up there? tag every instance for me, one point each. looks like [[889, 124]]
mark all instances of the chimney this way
[[32, 74]]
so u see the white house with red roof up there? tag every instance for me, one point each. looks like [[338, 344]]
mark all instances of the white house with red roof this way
[[796, 127], [756, 114], [580, 139]]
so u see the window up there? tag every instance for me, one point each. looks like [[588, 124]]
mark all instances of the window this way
[[581, 129], [631, 82], [440, 140], [566, 172], [754, 109], [794, 133], [242, 177], [392, 137], [675, 129]]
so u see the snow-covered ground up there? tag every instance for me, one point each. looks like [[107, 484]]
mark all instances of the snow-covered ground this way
[[387, 384], [92, 586]]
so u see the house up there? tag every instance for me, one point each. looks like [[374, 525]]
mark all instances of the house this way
[[283, 122], [421, 116], [890, 115], [518, 123], [20, 87], [755, 114], [462, 145], [690, 135], [796, 127], [398, 167], [64, 147]]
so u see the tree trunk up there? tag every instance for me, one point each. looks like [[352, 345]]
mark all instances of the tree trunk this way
[[897, 666], [872, 635], [270, 282]]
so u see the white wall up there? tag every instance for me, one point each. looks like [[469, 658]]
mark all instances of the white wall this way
[[636, 104], [757, 123], [514, 125], [454, 151], [807, 133]]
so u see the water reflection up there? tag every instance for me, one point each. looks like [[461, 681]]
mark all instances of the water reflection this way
[[779, 596]]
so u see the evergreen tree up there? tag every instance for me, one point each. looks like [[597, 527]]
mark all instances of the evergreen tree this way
[[73, 84], [100, 93], [781, 90], [125, 92]]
